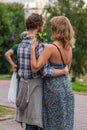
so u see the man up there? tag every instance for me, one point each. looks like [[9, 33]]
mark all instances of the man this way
[[13, 51], [29, 94]]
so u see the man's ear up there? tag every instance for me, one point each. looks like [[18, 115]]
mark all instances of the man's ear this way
[[39, 29]]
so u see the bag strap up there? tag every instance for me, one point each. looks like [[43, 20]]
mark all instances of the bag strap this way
[[59, 52]]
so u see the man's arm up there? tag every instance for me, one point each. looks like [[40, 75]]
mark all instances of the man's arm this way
[[8, 55], [49, 71], [57, 72]]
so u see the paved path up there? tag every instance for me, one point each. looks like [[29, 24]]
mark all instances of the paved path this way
[[10, 125], [80, 112], [80, 122], [4, 86]]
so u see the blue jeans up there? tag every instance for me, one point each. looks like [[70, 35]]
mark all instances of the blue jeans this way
[[31, 127]]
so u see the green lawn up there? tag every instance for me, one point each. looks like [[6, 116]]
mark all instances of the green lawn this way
[[6, 111], [80, 86], [5, 77]]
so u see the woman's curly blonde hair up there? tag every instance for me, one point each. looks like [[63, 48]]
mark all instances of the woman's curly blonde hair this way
[[62, 31]]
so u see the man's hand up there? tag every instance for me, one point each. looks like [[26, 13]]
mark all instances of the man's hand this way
[[66, 70], [14, 67], [34, 43]]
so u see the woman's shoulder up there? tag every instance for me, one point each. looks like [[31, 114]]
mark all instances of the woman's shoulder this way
[[49, 48], [49, 45], [69, 50]]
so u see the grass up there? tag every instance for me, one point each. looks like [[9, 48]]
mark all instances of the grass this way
[[5, 77], [6, 111], [77, 86], [80, 86]]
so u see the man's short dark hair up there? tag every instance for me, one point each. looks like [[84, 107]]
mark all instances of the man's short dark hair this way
[[34, 21]]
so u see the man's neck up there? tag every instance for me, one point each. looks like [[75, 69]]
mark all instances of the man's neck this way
[[32, 32]]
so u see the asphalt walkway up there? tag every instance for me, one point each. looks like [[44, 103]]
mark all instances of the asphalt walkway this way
[[80, 121]]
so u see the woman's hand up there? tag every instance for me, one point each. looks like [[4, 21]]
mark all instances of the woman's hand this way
[[34, 43], [66, 70]]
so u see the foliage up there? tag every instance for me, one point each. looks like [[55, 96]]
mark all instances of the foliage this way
[[41, 36], [80, 86], [50, 11], [76, 11], [11, 25]]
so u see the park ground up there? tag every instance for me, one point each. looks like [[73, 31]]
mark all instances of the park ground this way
[[80, 119]]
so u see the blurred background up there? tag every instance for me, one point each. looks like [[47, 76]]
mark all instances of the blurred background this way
[[12, 22]]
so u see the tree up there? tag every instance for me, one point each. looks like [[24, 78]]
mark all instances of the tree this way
[[11, 25], [50, 11], [76, 11]]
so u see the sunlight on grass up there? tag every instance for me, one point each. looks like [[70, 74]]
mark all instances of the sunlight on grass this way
[[6, 111], [80, 86], [5, 77]]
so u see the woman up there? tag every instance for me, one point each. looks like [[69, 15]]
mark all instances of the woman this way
[[58, 98]]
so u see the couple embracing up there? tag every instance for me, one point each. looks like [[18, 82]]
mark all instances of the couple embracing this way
[[45, 98]]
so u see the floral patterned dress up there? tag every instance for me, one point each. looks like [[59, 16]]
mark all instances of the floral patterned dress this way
[[58, 103]]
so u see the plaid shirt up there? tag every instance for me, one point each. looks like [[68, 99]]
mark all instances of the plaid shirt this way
[[24, 62]]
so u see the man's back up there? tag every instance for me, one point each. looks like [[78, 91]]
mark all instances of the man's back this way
[[24, 58]]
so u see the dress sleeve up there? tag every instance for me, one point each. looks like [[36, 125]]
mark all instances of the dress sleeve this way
[[47, 70]]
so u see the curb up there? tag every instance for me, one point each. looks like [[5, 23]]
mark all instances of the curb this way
[[6, 118], [7, 106], [3, 104], [80, 93]]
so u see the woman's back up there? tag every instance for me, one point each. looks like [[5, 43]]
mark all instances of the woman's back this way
[[60, 54]]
